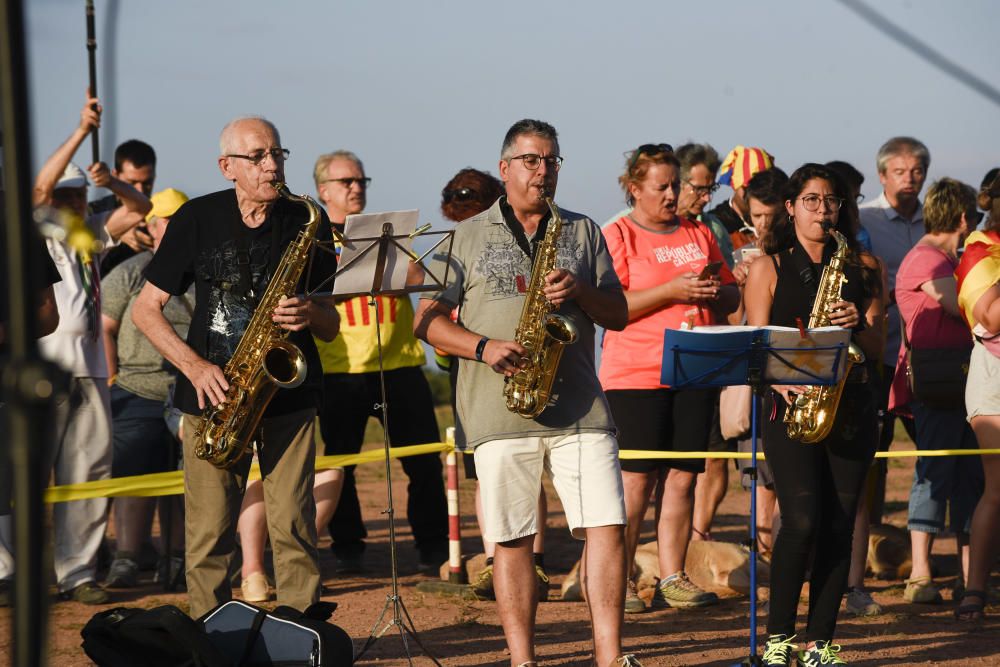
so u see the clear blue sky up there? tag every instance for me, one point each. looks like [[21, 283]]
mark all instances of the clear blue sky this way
[[422, 89]]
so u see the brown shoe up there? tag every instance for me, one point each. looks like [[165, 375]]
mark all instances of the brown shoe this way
[[633, 603], [87, 593]]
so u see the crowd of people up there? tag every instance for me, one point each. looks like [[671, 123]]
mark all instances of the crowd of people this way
[[146, 325]]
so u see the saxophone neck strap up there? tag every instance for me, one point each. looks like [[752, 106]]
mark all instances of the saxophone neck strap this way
[[802, 264], [529, 248]]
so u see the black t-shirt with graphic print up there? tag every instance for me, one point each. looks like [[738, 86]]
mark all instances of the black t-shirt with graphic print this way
[[203, 244]]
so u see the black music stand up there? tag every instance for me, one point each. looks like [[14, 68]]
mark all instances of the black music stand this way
[[752, 356], [374, 257]]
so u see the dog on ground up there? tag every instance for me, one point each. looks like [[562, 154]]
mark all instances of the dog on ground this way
[[889, 552], [720, 567]]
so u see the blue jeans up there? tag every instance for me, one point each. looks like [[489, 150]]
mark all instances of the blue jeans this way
[[142, 442], [944, 482]]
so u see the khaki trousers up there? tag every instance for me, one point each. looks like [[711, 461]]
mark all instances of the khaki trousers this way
[[212, 499]]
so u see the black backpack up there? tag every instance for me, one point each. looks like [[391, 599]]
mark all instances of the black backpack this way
[[160, 637]]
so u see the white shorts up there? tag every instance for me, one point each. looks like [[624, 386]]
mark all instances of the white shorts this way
[[982, 388], [585, 472]]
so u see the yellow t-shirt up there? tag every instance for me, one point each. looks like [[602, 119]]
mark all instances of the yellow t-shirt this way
[[355, 349]]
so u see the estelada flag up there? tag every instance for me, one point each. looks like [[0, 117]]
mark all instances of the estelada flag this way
[[978, 270]]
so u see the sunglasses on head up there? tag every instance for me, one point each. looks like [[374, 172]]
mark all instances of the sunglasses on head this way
[[649, 150], [458, 194]]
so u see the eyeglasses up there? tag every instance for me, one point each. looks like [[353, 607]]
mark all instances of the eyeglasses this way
[[461, 194], [702, 190], [347, 182], [860, 197], [255, 158], [533, 160], [811, 202]]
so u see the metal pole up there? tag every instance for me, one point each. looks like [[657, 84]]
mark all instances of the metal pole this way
[[95, 144], [28, 383]]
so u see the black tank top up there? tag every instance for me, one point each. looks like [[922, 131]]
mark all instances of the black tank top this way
[[797, 280]]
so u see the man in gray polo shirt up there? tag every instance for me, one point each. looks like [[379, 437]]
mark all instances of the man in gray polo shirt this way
[[895, 222], [574, 437]]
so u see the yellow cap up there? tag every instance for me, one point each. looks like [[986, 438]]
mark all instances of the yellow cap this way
[[165, 203]]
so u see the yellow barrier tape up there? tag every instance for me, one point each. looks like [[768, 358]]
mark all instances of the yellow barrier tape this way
[[172, 483], [643, 454]]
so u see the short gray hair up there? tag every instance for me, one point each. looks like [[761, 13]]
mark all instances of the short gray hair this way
[[228, 133], [902, 146], [324, 160], [691, 155], [526, 126]]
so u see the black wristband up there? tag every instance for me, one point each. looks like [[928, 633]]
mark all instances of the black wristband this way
[[481, 347]]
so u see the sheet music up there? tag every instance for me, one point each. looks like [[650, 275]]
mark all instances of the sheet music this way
[[789, 338], [722, 355], [362, 255]]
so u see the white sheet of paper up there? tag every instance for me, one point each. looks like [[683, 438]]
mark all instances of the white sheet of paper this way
[[358, 278]]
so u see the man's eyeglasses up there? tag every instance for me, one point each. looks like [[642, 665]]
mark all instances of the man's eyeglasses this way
[[533, 160], [860, 197], [347, 182], [461, 194], [811, 202], [702, 190], [255, 158]]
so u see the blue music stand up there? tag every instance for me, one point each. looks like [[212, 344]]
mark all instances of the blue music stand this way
[[746, 356]]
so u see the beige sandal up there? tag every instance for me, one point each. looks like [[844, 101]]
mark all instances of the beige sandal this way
[[255, 588]]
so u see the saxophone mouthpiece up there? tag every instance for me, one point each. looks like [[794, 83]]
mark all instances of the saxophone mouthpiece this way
[[827, 225]]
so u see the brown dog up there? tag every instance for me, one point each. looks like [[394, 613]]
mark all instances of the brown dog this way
[[889, 552], [720, 567]]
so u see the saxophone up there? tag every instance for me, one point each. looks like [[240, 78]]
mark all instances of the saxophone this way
[[264, 360], [810, 417], [542, 333]]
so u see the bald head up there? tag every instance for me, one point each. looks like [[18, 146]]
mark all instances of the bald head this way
[[230, 137]]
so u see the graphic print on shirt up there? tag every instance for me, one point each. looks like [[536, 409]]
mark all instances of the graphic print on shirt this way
[[689, 253], [229, 311], [505, 268]]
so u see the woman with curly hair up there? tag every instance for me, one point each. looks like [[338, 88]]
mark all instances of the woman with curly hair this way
[[817, 484]]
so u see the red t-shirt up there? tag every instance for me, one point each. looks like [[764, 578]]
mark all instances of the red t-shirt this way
[[631, 358], [928, 325]]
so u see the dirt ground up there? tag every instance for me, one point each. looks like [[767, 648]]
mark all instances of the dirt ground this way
[[460, 632]]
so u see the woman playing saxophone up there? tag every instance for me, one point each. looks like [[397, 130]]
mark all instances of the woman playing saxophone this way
[[817, 485]]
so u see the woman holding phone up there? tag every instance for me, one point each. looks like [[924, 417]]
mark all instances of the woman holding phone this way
[[674, 277]]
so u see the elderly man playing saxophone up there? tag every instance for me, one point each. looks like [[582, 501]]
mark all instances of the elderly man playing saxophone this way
[[573, 438], [229, 244]]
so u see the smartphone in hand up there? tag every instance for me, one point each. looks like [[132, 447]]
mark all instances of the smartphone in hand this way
[[711, 269]]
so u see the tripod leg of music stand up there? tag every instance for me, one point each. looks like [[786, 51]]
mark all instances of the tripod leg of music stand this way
[[400, 616], [407, 624], [753, 659]]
